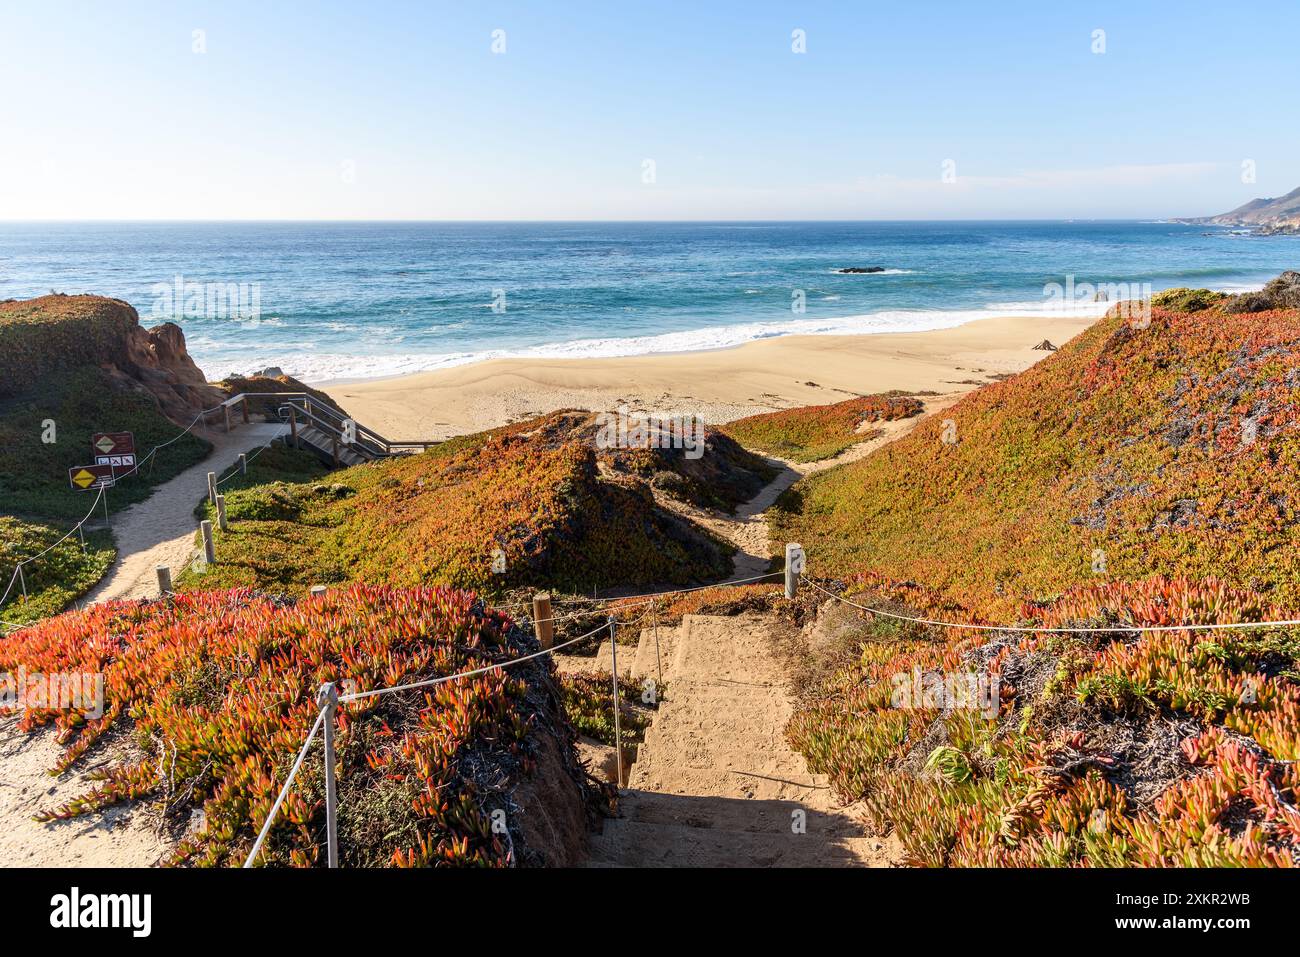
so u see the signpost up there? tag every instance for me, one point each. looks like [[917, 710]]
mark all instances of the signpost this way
[[86, 477], [113, 443]]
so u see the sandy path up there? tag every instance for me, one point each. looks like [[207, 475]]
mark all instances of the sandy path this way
[[124, 835], [746, 528], [157, 531], [160, 530], [716, 784]]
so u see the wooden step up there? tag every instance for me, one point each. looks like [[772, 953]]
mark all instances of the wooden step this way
[[625, 843], [759, 816]]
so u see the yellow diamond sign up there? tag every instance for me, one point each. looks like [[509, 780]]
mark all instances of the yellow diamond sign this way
[[83, 478]]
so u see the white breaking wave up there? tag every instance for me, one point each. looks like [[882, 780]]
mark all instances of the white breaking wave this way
[[316, 367], [328, 367]]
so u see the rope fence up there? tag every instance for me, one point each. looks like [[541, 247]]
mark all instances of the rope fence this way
[[329, 699], [1078, 630], [18, 576]]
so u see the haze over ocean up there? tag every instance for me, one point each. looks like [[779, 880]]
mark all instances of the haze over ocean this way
[[356, 300]]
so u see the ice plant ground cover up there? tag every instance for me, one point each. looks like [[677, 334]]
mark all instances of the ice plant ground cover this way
[[489, 511], [215, 691], [1108, 749], [1143, 475], [815, 432], [57, 577], [1171, 449]]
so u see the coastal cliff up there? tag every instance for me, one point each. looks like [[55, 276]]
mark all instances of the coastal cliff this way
[[1268, 216], [42, 339]]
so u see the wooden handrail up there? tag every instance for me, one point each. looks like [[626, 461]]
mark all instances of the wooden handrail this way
[[309, 410]]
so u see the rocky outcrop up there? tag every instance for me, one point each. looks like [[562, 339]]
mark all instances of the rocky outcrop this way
[[860, 270], [1280, 293], [165, 369], [53, 337]]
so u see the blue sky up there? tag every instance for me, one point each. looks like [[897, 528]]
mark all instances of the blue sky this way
[[403, 111]]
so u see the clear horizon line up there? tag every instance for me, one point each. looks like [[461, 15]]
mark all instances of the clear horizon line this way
[[993, 219]]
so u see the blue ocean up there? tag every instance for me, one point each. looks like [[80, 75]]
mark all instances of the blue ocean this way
[[332, 301]]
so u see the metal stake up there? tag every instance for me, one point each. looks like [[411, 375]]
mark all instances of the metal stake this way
[[793, 566], [328, 699]]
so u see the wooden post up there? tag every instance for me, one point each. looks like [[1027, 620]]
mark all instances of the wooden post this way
[[22, 580], [543, 626], [618, 728], [221, 512], [793, 566], [225, 409], [164, 579], [243, 463], [317, 590], [293, 425], [337, 463], [244, 405], [209, 548], [212, 488]]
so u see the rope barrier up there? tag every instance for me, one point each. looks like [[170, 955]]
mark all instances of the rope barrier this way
[[320, 717], [236, 470], [681, 591], [1030, 629], [360, 695], [284, 791], [99, 496], [26, 561], [648, 599]]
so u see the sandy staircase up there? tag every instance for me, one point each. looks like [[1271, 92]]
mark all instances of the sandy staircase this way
[[716, 784]]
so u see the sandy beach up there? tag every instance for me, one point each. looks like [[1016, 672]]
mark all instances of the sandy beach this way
[[719, 385]]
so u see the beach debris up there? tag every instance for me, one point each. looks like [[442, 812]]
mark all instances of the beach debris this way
[[1045, 346]]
